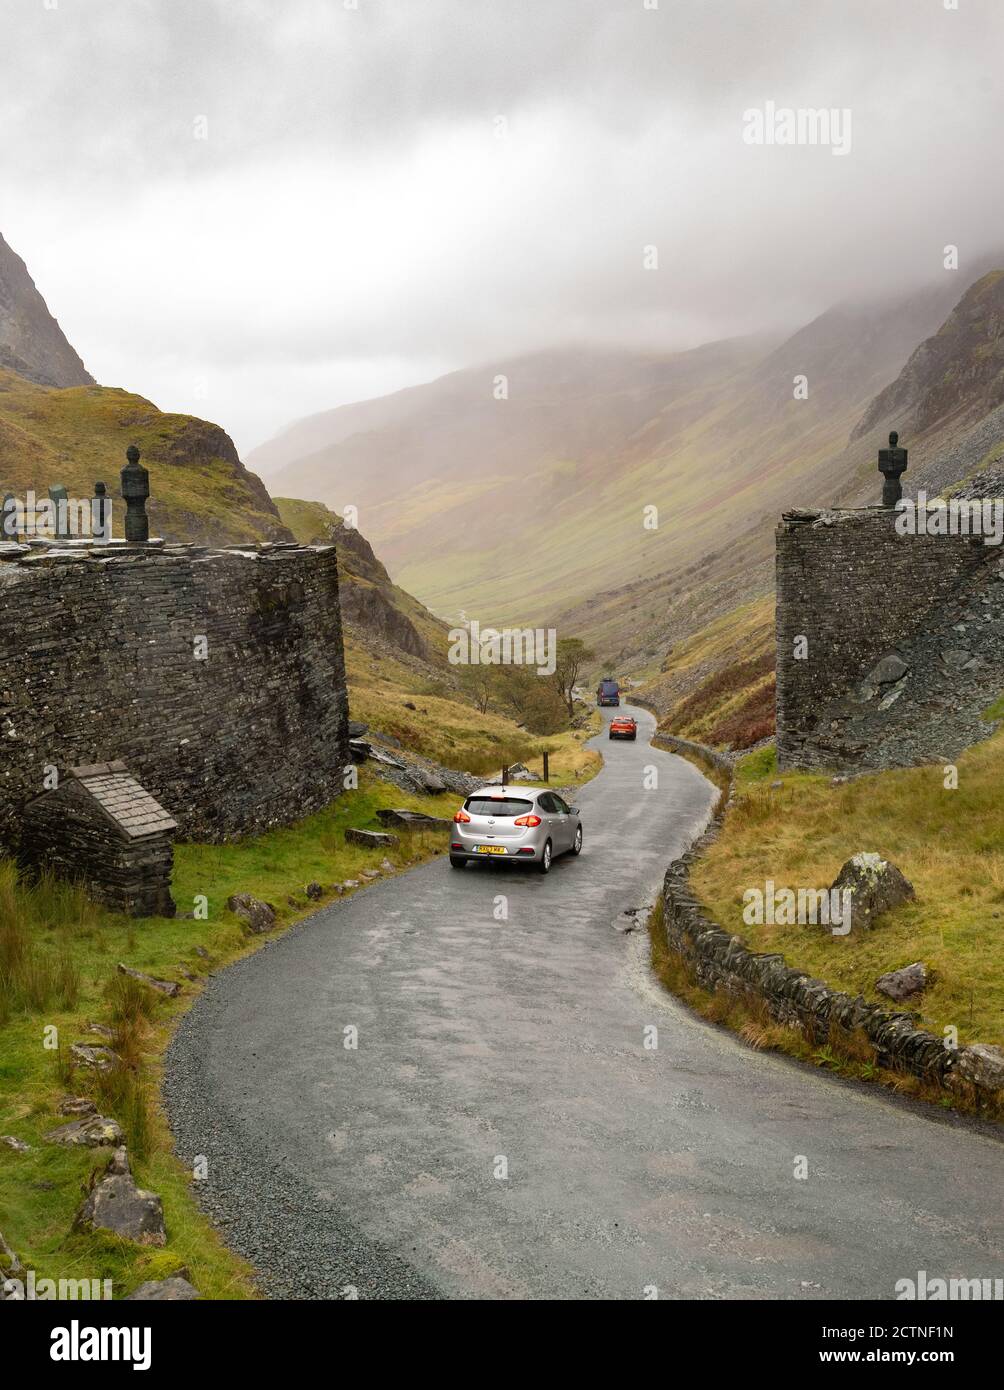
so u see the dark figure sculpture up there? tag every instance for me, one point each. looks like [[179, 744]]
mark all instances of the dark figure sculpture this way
[[135, 491], [101, 513], [892, 464], [59, 498]]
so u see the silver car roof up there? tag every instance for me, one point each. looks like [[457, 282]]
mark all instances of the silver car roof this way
[[496, 788]]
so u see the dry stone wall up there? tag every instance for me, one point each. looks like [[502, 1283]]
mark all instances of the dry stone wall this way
[[100, 660], [859, 593]]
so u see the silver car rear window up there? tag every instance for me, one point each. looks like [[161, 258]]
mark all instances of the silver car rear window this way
[[496, 806]]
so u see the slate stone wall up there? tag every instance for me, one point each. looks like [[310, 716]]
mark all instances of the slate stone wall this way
[[98, 662], [856, 590]]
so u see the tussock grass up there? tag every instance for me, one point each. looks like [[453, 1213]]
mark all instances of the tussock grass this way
[[37, 965]]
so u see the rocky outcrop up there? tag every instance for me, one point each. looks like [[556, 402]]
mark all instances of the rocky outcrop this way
[[954, 374], [31, 341]]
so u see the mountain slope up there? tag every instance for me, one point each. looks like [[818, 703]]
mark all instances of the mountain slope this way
[[200, 490], [446, 477], [372, 606], [947, 403], [57, 426], [31, 341]]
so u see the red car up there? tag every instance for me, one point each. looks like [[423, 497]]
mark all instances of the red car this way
[[623, 726]]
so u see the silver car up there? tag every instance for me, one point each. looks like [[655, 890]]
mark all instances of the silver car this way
[[529, 824]]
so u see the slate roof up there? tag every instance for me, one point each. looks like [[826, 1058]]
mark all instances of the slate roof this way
[[123, 800]]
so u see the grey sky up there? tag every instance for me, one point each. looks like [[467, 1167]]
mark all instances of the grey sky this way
[[356, 221]]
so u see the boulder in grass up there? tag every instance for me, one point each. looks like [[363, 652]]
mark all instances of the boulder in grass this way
[[77, 1105], [91, 1132], [166, 987], [875, 886], [901, 984], [12, 1142], [982, 1065], [370, 839], [11, 1269], [91, 1055], [177, 1289], [402, 819], [117, 1205], [258, 917]]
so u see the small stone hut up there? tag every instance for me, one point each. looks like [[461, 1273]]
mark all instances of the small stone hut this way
[[102, 829]]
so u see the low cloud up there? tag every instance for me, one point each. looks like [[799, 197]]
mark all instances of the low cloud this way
[[390, 191]]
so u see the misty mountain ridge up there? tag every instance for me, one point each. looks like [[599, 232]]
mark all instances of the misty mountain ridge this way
[[447, 477]]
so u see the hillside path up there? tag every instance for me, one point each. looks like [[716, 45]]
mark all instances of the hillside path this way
[[373, 1171]]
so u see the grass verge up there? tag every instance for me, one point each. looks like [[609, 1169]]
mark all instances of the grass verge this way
[[797, 829], [58, 959]]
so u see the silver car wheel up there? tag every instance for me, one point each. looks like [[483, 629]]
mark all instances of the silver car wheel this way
[[545, 858], [577, 843]]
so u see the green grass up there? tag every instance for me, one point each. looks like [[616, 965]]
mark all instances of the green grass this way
[[58, 957], [949, 843]]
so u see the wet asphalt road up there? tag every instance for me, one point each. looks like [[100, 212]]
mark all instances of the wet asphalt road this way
[[518, 1046]]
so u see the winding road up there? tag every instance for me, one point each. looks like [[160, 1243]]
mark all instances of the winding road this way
[[502, 1131]]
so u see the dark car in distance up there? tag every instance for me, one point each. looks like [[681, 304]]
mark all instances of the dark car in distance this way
[[608, 692]]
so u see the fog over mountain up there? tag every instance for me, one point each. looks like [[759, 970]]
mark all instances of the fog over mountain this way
[[257, 211]]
